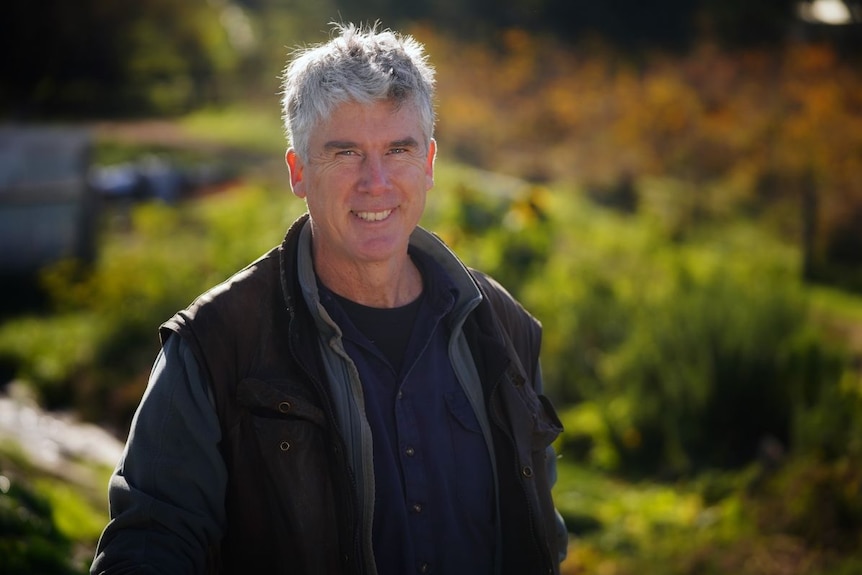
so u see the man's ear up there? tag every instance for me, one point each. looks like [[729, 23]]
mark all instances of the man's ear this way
[[294, 164], [429, 163]]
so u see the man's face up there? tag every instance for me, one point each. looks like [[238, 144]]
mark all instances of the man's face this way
[[365, 181]]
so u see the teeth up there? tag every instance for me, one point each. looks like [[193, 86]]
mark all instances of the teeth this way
[[373, 216]]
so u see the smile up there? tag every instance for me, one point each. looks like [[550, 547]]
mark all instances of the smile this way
[[373, 216]]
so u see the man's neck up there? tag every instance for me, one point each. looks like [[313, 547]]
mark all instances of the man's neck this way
[[383, 285]]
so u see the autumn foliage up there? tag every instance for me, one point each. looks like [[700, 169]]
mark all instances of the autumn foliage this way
[[774, 134]]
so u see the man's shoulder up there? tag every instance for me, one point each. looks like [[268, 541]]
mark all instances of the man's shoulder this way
[[259, 276], [239, 297], [507, 307], [518, 326]]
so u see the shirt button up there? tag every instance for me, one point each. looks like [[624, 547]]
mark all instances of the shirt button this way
[[417, 508], [400, 394], [410, 451], [424, 568]]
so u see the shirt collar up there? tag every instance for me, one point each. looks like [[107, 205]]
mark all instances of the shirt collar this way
[[467, 292]]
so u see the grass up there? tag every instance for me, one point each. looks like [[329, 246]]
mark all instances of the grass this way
[[836, 303], [745, 522], [614, 521], [48, 350], [79, 511], [247, 127]]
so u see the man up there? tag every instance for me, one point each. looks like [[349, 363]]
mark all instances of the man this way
[[357, 400]]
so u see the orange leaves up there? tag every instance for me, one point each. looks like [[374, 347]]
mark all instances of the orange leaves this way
[[533, 107]]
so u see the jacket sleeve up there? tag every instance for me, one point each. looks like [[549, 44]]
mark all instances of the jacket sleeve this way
[[166, 494], [526, 338], [551, 464]]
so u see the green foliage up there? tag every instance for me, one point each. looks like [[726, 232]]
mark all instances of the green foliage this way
[[648, 525], [243, 127], [72, 513], [50, 517], [800, 519], [587, 436], [704, 372], [50, 353], [153, 56], [827, 422], [29, 540], [815, 501], [95, 353]]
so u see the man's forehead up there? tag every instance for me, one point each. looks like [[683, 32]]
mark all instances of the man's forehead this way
[[352, 123]]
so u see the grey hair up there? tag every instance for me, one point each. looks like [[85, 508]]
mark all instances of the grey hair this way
[[359, 65]]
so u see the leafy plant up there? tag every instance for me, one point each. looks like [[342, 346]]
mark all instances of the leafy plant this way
[[29, 540]]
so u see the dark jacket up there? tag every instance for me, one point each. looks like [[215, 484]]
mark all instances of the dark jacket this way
[[291, 499]]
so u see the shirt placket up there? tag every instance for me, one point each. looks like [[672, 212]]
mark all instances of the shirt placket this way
[[415, 482]]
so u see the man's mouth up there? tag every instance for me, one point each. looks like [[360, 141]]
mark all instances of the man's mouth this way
[[373, 216]]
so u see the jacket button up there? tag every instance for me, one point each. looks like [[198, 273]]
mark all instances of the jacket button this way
[[285, 445], [284, 406], [527, 471]]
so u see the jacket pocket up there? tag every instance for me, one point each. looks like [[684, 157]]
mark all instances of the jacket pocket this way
[[548, 425], [290, 428], [531, 412], [279, 399], [293, 446]]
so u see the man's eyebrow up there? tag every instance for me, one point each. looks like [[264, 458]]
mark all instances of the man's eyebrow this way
[[408, 142], [405, 143], [340, 145]]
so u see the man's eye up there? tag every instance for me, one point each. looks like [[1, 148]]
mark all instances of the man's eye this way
[[346, 153], [398, 150]]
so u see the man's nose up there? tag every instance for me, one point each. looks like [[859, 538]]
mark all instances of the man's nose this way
[[375, 175]]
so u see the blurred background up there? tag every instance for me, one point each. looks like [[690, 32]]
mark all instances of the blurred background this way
[[674, 188]]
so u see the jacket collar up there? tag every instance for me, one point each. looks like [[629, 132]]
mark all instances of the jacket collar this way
[[298, 278]]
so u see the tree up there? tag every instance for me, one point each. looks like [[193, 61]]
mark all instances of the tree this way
[[103, 57]]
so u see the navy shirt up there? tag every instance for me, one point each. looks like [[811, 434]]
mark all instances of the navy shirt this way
[[434, 488]]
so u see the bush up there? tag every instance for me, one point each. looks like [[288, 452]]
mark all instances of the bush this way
[[695, 355], [29, 540], [706, 374], [818, 502]]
